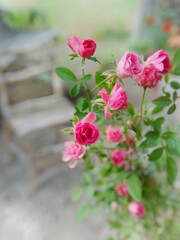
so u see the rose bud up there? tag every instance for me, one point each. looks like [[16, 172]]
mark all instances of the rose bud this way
[[136, 209]]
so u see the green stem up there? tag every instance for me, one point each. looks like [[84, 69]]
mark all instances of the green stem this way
[[142, 102], [85, 83], [99, 84]]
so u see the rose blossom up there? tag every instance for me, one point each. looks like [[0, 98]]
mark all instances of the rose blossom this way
[[136, 209], [160, 60], [85, 132], [122, 189], [114, 206], [114, 135], [116, 101], [84, 47], [126, 167], [118, 157], [148, 78], [73, 153], [87, 48], [130, 140], [129, 65], [74, 43]]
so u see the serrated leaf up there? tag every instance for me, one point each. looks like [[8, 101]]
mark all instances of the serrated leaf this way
[[172, 169], [134, 187], [65, 74], [76, 194], [171, 109], [162, 101], [87, 77], [156, 154], [175, 85], [74, 91]]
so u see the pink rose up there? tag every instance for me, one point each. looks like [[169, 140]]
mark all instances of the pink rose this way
[[73, 153], [118, 157], [114, 135], [148, 78], [116, 101], [74, 43], [136, 209], [114, 206], [122, 189], [130, 140], [160, 60], [87, 48], [129, 65], [85, 132], [126, 167], [84, 47]]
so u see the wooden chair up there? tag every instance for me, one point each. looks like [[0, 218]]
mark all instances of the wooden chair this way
[[32, 102]]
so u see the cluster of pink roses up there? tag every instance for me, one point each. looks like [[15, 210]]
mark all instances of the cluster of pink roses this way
[[83, 47], [147, 75], [135, 208]]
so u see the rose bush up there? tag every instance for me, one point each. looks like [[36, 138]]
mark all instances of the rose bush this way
[[129, 154]]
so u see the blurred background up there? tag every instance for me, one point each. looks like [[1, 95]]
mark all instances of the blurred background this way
[[35, 186]]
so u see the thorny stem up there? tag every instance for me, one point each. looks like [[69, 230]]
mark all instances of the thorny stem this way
[[142, 102]]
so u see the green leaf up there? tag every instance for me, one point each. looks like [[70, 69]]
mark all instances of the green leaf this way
[[87, 77], [74, 91], [162, 101], [131, 109], [166, 77], [65, 74], [157, 110], [176, 70], [156, 154], [173, 146], [90, 191], [167, 135], [171, 109], [152, 138], [157, 123], [86, 178], [68, 130], [134, 187], [175, 85], [144, 146], [174, 96], [76, 194], [172, 169], [177, 56], [86, 209], [94, 59], [99, 78]]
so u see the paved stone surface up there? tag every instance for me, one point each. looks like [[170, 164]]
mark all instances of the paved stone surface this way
[[46, 214]]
